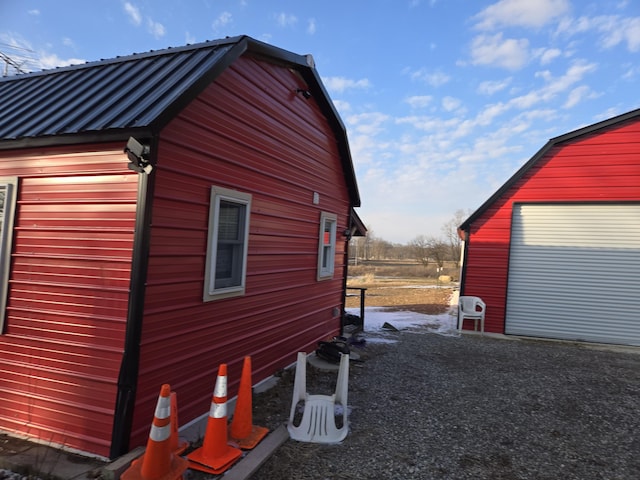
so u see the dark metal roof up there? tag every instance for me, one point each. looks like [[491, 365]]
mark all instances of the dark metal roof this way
[[110, 100], [124, 93], [589, 129]]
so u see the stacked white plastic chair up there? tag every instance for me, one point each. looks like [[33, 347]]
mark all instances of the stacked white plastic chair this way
[[318, 422]]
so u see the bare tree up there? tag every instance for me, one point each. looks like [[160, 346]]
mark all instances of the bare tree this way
[[439, 252], [356, 249], [450, 231], [368, 244], [420, 249], [424, 249], [430, 249]]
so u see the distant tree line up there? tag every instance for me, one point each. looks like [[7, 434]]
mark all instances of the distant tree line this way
[[426, 250]]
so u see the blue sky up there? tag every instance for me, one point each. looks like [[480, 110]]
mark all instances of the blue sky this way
[[443, 99]]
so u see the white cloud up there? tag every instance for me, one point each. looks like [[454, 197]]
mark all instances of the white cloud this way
[[449, 104], [133, 13], [30, 60], [625, 30], [433, 78], [521, 13], [487, 116], [631, 71], [577, 95], [489, 87], [609, 113], [341, 84], [155, 28], [613, 29], [452, 127], [51, 60], [547, 55], [224, 19], [342, 106], [370, 123], [493, 50], [492, 146], [554, 86], [572, 26], [462, 159], [34, 12], [286, 19], [419, 101], [311, 26]]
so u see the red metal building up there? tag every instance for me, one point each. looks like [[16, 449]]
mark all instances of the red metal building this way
[[163, 213], [555, 252]]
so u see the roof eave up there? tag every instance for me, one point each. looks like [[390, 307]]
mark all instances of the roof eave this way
[[312, 78], [103, 136]]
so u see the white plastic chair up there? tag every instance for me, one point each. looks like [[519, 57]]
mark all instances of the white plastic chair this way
[[472, 308], [318, 423]]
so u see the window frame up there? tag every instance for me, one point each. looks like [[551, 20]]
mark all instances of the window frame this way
[[7, 218], [327, 251], [210, 291]]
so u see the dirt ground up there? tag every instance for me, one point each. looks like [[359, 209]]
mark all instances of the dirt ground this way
[[416, 295]]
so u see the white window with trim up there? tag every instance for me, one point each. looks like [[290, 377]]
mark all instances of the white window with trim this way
[[8, 195], [227, 244], [327, 245]]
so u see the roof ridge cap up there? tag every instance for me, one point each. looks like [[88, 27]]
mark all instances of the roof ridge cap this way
[[127, 58]]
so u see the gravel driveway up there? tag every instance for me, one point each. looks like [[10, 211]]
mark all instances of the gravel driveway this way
[[472, 407]]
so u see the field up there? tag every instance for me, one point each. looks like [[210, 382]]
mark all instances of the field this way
[[398, 286]]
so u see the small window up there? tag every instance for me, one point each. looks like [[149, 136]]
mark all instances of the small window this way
[[8, 194], [227, 244], [327, 245]]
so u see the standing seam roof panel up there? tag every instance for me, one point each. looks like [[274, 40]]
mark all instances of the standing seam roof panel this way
[[171, 70], [38, 96], [84, 101], [16, 91], [118, 86], [101, 96], [39, 111], [126, 103]]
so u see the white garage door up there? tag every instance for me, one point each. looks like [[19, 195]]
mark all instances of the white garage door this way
[[574, 272]]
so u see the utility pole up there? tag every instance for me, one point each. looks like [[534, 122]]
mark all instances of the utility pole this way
[[8, 61], [16, 59]]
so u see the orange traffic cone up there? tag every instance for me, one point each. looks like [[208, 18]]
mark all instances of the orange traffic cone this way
[[177, 447], [216, 455], [158, 462], [242, 431]]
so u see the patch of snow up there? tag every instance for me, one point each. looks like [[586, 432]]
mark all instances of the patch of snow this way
[[417, 287], [375, 318]]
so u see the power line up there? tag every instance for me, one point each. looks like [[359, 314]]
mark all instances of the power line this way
[[16, 58], [9, 62], [16, 47]]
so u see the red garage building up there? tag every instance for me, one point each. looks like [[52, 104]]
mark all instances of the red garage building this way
[[163, 213], [555, 252]]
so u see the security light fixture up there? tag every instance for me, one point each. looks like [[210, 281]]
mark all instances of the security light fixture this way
[[305, 93], [138, 154]]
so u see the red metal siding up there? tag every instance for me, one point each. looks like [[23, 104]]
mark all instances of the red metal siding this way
[[251, 132], [68, 294], [603, 166]]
